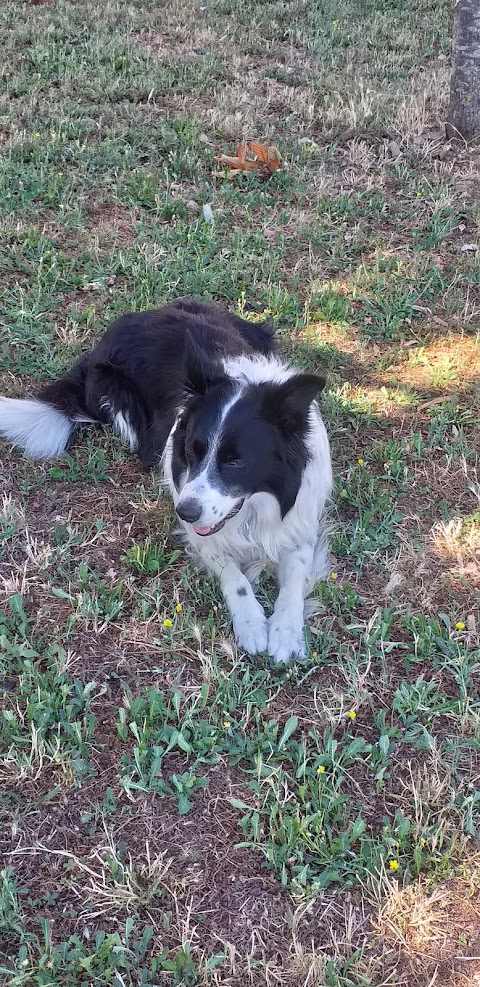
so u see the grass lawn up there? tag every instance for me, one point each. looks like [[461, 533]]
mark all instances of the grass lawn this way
[[171, 812]]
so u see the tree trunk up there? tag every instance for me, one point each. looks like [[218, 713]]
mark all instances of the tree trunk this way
[[464, 109]]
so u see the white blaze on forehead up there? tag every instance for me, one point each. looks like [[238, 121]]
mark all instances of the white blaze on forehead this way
[[208, 470], [206, 486]]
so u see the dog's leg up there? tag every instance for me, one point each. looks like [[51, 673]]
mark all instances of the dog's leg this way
[[248, 617], [285, 630]]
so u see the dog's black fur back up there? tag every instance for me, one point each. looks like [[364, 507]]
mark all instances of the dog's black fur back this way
[[146, 361]]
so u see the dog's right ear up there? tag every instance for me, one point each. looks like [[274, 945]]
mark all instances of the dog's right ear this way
[[200, 372], [286, 404]]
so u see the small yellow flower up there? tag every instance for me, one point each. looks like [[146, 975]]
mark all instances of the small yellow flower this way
[[459, 626], [226, 724], [178, 607], [167, 622], [314, 654], [333, 576], [320, 770], [422, 842], [360, 461], [393, 864], [59, 174], [351, 714], [36, 134]]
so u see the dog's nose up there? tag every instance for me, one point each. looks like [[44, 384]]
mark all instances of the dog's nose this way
[[189, 510]]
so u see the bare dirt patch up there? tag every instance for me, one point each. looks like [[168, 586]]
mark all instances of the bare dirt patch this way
[[106, 221]]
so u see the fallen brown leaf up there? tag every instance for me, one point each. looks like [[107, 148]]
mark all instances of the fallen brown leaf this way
[[252, 156]]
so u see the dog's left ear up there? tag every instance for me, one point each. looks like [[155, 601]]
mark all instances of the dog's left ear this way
[[200, 372], [199, 376], [286, 405]]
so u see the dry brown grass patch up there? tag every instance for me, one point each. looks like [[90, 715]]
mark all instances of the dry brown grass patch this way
[[180, 31], [425, 102], [451, 362], [175, 42], [442, 569], [432, 936]]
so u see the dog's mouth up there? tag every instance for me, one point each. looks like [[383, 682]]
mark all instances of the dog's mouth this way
[[204, 530]]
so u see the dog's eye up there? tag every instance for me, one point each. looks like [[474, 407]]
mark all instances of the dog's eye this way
[[231, 460], [195, 451]]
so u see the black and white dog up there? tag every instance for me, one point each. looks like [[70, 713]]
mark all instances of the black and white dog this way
[[237, 434]]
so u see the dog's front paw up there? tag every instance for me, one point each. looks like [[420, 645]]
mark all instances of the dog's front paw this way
[[250, 629], [285, 638]]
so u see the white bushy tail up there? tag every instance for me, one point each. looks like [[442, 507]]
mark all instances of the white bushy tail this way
[[40, 429]]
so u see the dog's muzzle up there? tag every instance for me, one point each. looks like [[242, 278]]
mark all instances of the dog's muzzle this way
[[205, 530]]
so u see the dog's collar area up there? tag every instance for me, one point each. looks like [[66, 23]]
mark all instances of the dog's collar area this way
[[204, 530]]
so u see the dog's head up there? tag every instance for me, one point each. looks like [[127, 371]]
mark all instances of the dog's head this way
[[234, 439]]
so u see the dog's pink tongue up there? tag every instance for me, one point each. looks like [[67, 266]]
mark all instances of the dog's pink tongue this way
[[201, 529]]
